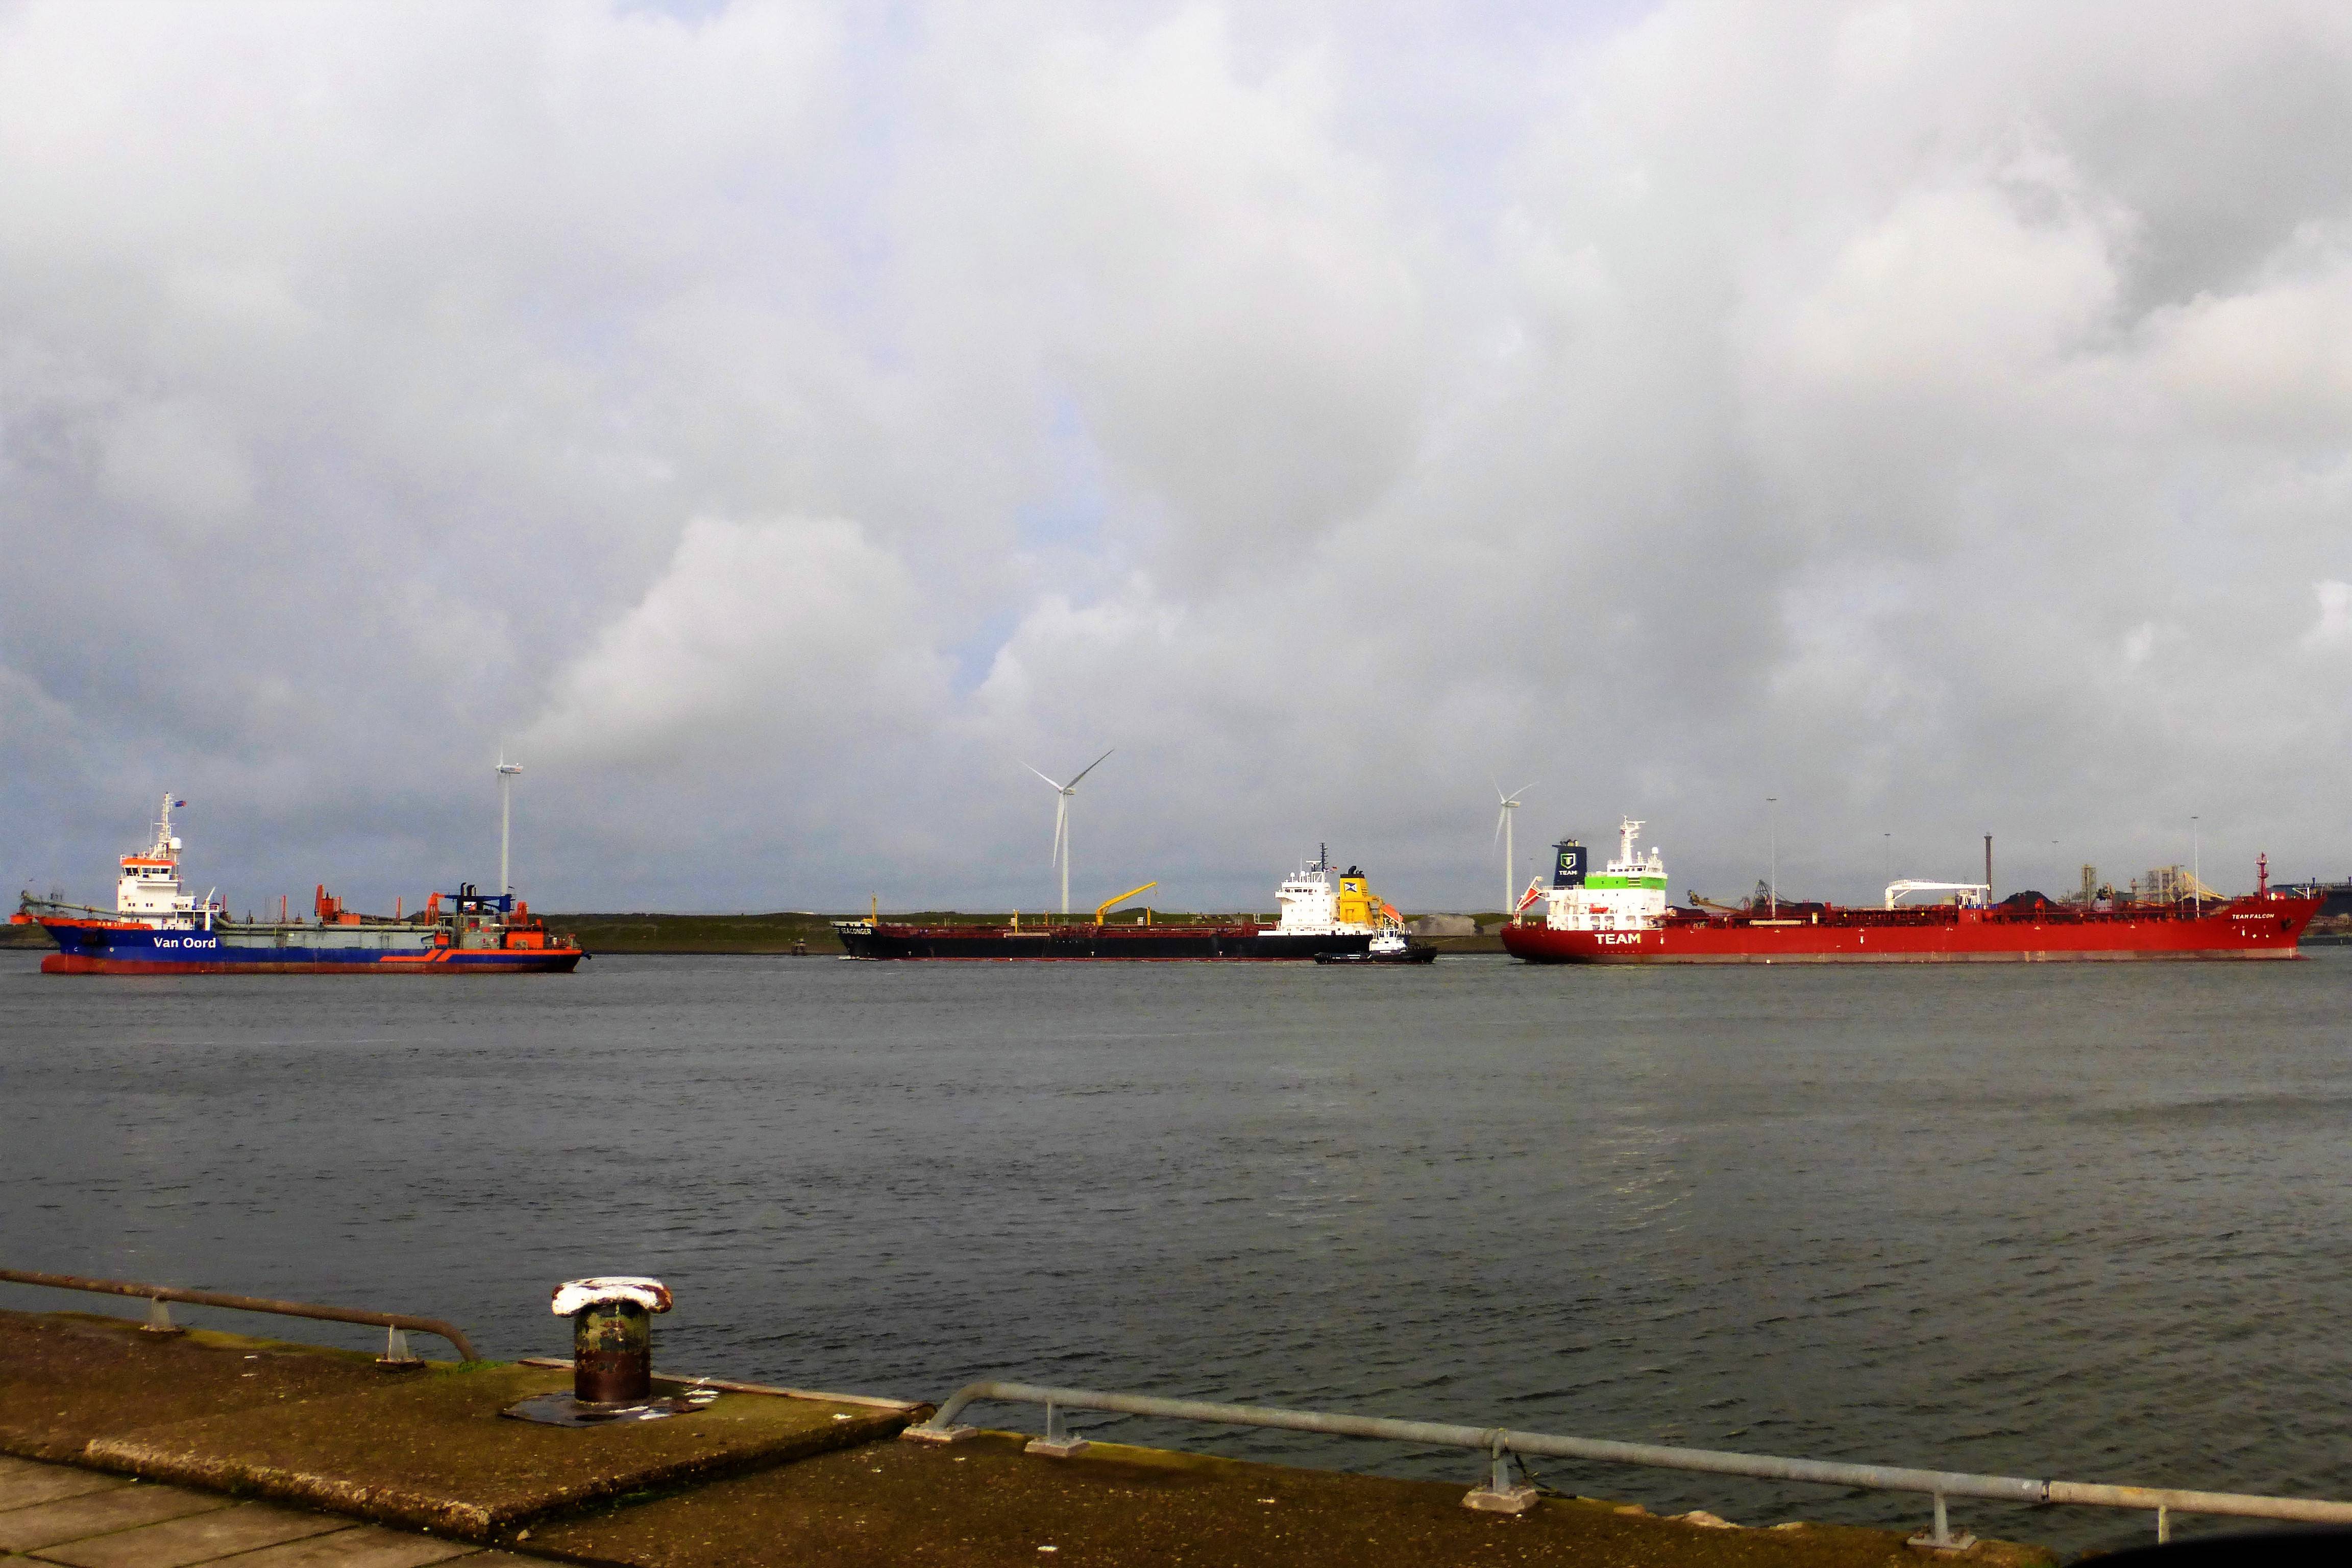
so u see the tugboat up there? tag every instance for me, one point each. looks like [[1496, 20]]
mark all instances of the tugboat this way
[[156, 927], [1317, 918], [1389, 947], [1621, 916]]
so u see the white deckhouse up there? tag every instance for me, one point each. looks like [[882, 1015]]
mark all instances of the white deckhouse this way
[[1631, 895]]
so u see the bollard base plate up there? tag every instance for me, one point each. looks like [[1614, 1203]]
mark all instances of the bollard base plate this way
[[1052, 1450], [937, 1434], [563, 1410], [1926, 1542], [1515, 1499]]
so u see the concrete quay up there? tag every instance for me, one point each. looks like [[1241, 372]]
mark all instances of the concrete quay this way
[[137, 1451]]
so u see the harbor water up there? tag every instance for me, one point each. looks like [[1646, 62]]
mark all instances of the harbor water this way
[[2091, 1221]]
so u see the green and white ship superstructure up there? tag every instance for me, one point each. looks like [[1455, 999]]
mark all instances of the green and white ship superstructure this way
[[1630, 895]]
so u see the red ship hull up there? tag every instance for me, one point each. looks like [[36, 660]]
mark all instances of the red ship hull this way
[[2260, 927]]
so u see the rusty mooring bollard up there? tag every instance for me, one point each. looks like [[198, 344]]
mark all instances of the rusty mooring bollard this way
[[612, 1336]]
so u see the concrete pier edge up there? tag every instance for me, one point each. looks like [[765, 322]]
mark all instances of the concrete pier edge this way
[[766, 1473]]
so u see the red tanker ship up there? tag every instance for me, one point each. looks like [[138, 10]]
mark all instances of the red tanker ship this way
[[1621, 916]]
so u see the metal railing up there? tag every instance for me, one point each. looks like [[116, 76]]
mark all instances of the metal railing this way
[[1501, 1444], [159, 1319]]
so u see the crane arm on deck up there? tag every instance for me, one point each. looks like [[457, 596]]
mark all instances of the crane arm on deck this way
[[1106, 906]]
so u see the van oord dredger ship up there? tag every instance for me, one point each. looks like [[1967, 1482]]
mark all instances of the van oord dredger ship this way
[[1316, 919], [1621, 915], [156, 927]]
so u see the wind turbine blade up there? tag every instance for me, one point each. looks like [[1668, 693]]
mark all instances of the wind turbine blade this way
[[1055, 784], [1500, 818], [1089, 768], [1061, 822]]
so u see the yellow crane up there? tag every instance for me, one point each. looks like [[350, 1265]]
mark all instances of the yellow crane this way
[[1104, 907]]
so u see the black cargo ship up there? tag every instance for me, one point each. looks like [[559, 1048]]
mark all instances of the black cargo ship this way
[[1317, 920], [1239, 943]]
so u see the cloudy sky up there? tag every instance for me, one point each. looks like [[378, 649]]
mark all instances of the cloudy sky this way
[[780, 426]]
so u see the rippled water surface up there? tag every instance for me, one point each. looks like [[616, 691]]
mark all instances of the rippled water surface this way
[[2087, 1221]]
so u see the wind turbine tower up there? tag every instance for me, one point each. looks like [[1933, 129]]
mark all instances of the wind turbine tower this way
[[1510, 802], [1062, 822], [507, 772]]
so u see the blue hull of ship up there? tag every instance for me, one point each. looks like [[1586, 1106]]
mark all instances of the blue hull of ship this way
[[99, 950]]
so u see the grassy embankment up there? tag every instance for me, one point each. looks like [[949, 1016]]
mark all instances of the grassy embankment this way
[[779, 932]]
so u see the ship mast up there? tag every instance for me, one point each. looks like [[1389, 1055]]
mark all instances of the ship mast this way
[[166, 848]]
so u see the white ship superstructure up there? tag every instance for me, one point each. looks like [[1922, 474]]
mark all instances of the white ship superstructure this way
[[1311, 905], [1631, 895], [149, 890]]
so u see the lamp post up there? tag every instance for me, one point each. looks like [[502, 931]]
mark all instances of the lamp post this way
[[2196, 867], [1772, 840]]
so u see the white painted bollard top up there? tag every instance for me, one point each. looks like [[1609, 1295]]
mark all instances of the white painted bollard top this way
[[574, 1294]]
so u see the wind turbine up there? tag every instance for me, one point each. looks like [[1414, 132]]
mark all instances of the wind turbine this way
[[507, 772], [1062, 822], [1510, 802]]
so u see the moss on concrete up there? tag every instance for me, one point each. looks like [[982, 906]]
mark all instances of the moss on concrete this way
[[433, 1453], [985, 1502], [67, 1377]]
